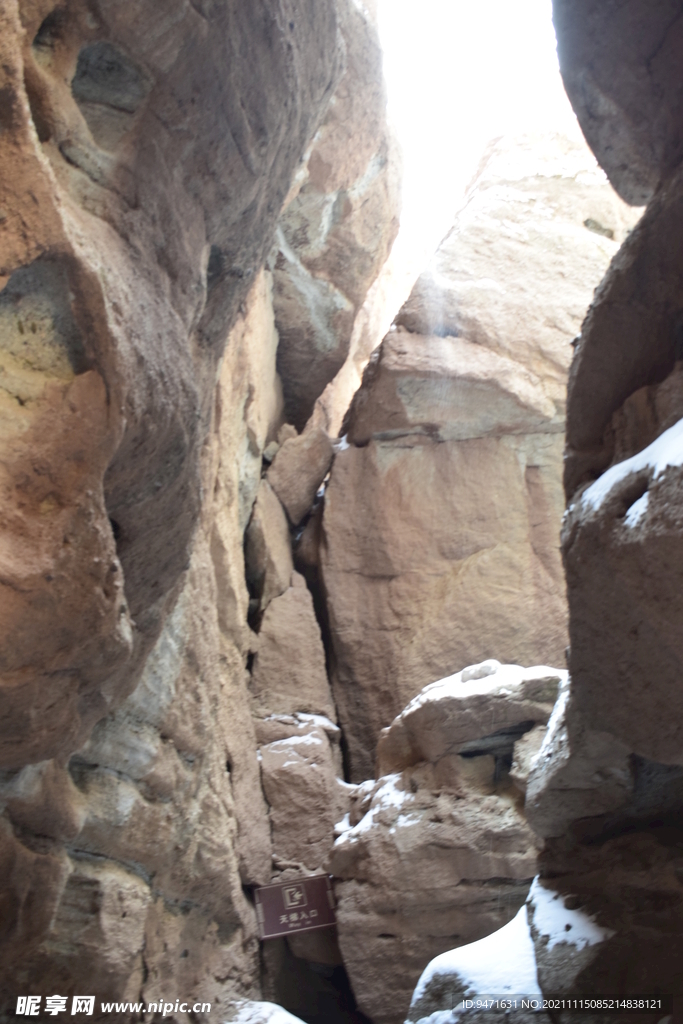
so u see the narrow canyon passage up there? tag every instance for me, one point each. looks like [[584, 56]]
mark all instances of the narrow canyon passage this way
[[339, 535]]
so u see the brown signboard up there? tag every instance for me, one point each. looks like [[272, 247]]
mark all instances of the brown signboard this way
[[299, 906]]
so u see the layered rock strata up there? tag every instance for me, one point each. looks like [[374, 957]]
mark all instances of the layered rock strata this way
[[125, 257], [145, 161], [442, 515]]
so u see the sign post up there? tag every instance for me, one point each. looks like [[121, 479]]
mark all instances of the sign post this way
[[299, 906]]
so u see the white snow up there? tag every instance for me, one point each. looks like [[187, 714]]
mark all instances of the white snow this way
[[388, 795], [325, 724], [553, 919], [293, 741], [665, 451], [342, 826], [503, 962], [556, 720], [406, 820], [480, 671], [263, 1013], [504, 679], [637, 510]]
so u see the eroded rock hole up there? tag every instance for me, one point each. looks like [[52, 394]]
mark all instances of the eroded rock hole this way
[[39, 338], [110, 90], [106, 75]]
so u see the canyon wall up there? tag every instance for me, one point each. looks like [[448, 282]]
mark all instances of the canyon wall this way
[[443, 512], [214, 614], [146, 155], [605, 792]]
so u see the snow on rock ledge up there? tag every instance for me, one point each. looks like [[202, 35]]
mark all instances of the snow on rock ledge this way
[[482, 707], [436, 852], [508, 962]]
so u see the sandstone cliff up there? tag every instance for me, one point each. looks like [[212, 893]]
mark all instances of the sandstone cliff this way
[[606, 789], [146, 156], [442, 515]]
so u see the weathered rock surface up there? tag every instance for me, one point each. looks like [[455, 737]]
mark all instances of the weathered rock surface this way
[[299, 468], [424, 572], [441, 519], [501, 278], [437, 852], [336, 232], [289, 673], [173, 769], [425, 863], [305, 796], [125, 256], [620, 70], [482, 709]]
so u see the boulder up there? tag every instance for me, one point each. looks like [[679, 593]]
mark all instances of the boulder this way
[[422, 864], [288, 673], [299, 468], [482, 709], [305, 797], [267, 548]]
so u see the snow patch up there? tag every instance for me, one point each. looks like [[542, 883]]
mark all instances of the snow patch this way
[[387, 796], [637, 510], [293, 741], [665, 451], [480, 671], [553, 919], [263, 1013], [503, 962], [342, 826], [504, 679]]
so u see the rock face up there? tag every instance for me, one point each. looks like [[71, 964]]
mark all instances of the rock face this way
[[619, 67], [125, 257], [172, 769], [336, 232], [442, 518], [562, 943], [436, 852]]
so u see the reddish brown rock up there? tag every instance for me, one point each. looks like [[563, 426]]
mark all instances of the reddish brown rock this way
[[125, 257], [299, 468], [289, 671], [336, 232]]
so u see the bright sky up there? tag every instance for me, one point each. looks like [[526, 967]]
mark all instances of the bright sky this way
[[459, 73]]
